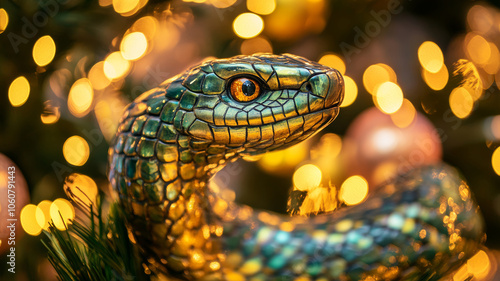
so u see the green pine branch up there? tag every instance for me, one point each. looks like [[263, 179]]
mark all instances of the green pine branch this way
[[95, 248]]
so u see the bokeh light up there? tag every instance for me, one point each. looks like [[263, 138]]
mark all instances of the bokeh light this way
[[50, 114], [493, 64], [62, 213], [495, 161], [389, 97], [480, 19], [128, 7], [97, 77], [43, 214], [81, 189], [248, 25], [263, 7], [377, 74], [479, 265], [256, 45], [133, 46], [147, 25], [333, 61], [354, 190], [478, 49], [284, 161], [4, 20], [115, 66], [221, 4], [405, 114], [76, 150], [430, 56], [461, 102], [44, 50], [307, 177], [80, 98], [28, 220], [436, 81], [351, 91], [19, 91]]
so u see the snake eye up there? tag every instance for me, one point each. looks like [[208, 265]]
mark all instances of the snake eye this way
[[244, 89]]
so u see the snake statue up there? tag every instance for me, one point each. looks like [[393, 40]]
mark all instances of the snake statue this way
[[172, 139]]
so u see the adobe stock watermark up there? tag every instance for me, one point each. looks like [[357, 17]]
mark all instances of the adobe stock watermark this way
[[372, 29], [31, 27]]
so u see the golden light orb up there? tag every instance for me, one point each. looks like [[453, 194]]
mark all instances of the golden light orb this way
[[430, 56], [19, 91], [76, 150], [248, 25], [44, 50], [389, 97], [307, 177], [354, 190]]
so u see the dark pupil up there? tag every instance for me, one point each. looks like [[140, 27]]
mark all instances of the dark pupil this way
[[248, 88]]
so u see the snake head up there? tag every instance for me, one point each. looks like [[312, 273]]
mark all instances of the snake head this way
[[257, 103]]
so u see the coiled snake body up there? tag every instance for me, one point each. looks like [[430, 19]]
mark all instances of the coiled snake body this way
[[173, 138]]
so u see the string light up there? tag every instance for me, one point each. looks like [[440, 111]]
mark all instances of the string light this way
[[377, 74], [351, 92], [133, 46], [19, 91], [28, 220], [354, 190], [461, 102], [248, 25], [430, 56], [115, 66], [43, 214], [76, 150], [307, 177], [62, 213], [44, 50], [262, 7], [4, 20], [436, 81], [80, 97], [495, 161], [389, 97], [333, 61]]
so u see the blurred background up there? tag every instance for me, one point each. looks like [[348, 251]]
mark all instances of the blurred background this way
[[421, 77]]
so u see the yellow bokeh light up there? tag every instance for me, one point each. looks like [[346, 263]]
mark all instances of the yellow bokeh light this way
[[461, 102], [377, 74], [478, 49], [495, 160], [389, 97], [148, 25], [115, 66], [50, 113], [43, 214], [221, 4], [263, 7], [354, 190], [351, 91], [97, 77], [307, 177], [333, 61], [62, 213], [256, 45], [248, 25], [125, 6], [133, 46], [80, 97], [480, 19], [19, 91], [44, 50], [436, 81], [28, 220], [105, 3], [4, 20], [479, 265], [76, 150], [430, 56], [493, 64], [81, 188], [405, 115], [283, 161]]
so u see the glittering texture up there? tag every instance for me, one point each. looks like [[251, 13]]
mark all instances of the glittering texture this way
[[173, 138]]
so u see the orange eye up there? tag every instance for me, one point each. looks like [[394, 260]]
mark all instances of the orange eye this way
[[244, 89]]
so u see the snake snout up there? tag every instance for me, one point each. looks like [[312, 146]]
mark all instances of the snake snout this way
[[335, 93]]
